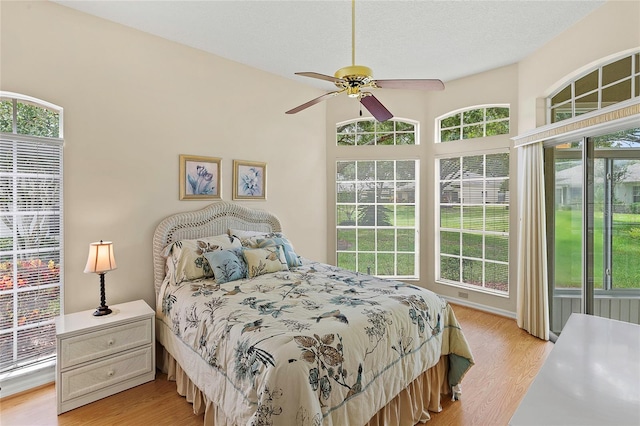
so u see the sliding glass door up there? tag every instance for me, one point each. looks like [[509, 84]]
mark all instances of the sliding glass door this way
[[593, 215]]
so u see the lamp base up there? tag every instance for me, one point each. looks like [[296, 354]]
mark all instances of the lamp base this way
[[102, 310]]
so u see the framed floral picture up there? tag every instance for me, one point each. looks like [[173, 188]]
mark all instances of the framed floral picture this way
[[249, 180], [199, 178]]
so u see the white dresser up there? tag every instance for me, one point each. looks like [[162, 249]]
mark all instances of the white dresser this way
[[591, 377], [100, 356]]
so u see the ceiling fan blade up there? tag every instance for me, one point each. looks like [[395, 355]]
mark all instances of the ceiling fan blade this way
[[320, 76], [410, 84], [373, 105], [313, 102]]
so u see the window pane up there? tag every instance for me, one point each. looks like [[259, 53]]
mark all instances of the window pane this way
[[346, 193], [616, 71], [562, 96], [473, 217], [346, 170], [346, 214], [406, 170], [449, 168], [473, 116], [406, 239], [384, 139], [385, 170], [561, 113], [366, 192], [385, 126], [450, 135], [496, 247], [472, 272], [470, 132], [406, 264], [347, 261], [497, 276], [450, 217], [405, 139], [346, 140], [6, 116], [497, 165], [587, 83], [347, 128], [449, 242], [386, 264], [384, 216], [472, 245], [365, 139], [37, 121], [366, 215], [386, 240], [497, 113], [365, 126], [367, 263], [587, 103], [473, 167], [452, 121], [366, 170], [405, 192], [406, 215], [616, 93], [404, 127], [497, 128], [450, 268], [497, 218], [366, 239], [346, 239]]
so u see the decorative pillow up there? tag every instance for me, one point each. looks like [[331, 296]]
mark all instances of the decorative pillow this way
[[262, 261], [227, 265], [185, 258], [293, 259], [248, 238]]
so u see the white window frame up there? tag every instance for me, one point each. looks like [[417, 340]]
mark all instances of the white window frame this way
[[22, 375], [461, 126], [363, 153], [484, 233], [570, 103]]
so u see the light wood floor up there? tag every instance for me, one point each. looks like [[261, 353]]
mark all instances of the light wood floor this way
[[507, 359]]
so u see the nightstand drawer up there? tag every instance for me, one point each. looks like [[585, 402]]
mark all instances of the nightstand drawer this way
[[78, 349], [111, 371]]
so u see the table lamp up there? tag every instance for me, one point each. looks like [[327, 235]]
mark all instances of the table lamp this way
[[101, 261]]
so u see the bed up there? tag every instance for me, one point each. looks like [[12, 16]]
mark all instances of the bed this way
[[284, 340]]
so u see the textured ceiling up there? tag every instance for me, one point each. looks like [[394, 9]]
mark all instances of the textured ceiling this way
[[397, 39]]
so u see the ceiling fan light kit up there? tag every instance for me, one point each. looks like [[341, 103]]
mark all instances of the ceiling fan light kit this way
[[352, 79]]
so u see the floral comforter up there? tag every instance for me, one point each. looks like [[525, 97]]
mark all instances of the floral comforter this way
[[314, 345]]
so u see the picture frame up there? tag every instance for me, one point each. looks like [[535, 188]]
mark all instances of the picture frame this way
[[199, 177], [249, 180]]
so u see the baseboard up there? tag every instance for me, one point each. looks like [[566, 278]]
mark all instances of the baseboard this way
[[480, 307], [20, 381]]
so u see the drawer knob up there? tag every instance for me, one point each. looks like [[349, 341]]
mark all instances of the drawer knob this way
[[110, 373], [110, 342]]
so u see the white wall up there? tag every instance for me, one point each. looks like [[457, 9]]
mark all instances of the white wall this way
[[132, 104]]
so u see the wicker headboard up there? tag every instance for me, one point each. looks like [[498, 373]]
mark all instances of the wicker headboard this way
[[214, 219]]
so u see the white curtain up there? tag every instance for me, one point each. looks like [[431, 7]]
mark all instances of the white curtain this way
[[533, 302]]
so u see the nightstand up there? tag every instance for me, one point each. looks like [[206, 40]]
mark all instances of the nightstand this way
[[103, 355]]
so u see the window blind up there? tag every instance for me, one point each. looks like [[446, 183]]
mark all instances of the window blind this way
[[30, 248]]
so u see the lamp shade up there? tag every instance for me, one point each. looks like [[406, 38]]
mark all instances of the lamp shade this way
[[100, 258]]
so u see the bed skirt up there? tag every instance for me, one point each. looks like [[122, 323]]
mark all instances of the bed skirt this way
[[409, 407]]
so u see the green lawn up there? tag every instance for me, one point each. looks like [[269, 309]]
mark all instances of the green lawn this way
[[626, 244], [626, 250]]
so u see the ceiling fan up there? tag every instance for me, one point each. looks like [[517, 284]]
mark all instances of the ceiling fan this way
[[352, 79]]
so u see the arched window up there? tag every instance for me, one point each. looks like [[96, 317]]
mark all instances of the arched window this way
[[376, 200], [472, 215], [473, 122], [606, 84], [31, 141]]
